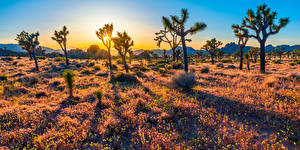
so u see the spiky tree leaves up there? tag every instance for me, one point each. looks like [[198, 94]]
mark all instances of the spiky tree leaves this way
[[241, 32], [29, 42], [105, 35], [211, 47], [177, 25], [61, 38], [262, 23], [69, 80], [122, 44]]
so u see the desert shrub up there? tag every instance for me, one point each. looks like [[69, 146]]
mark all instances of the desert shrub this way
[[276, 61], [294, 75], [138, 68], [3, 77], [7, 59], [15, 63], [200, 61], [119, 61], [97, 67], [177, 65], [19, 57], [151, 65], [292, 64], [114, 67], [227, 60], [220, 65], [69, 80], [87, 71], [125, 78], [160, 66], [204, 69], [60, 59], [183, 80], [41, 57], [163, 71], [296, 61], [231, 67]]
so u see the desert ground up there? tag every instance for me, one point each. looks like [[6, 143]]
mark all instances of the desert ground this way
[[228, 108]]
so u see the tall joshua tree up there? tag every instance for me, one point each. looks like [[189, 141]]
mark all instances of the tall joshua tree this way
[[262, 23], [104, 34], [179, 28], [169, 37], [239, 32], [122, 44], [211, 47], [61, 38], [29, 42]]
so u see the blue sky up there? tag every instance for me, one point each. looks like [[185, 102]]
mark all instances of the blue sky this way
[[140, 18]]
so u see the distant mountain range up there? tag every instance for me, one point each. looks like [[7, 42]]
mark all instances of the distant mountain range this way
[[228, 48]]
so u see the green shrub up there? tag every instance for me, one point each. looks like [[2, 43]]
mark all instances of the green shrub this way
[[177, 65], [292, 63], [69, 80], [276, 61], [60, 59], [296, 61], [125, 78], [226, 60], [98, 94], [41, 57], [205, 69]]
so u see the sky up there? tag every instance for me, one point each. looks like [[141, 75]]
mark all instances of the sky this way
[[140, 18]]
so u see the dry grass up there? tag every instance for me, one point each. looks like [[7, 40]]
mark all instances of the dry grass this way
[[227, 109]]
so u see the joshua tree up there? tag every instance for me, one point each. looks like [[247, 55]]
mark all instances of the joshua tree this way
[[236, 54], [179, 28], [131, 54], [288, 53], [199, 54], [295, 53], [263, 24], [104, 34], [279, 52], [253, 53], [69, 79], [122, 44], [165, 56], [23, 36], [240, 33], [247, 57], [61, 38], [29, 42], [220, 54], [211, 47]]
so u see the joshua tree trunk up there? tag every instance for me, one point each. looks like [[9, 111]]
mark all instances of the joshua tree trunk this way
[[262, 57], [124, 62], [241, 59], [67, 59], [36, 62], [174, 55], [71, 92], [109, 61], [186, 66], [248, 65], [30, 55], [212, 59]]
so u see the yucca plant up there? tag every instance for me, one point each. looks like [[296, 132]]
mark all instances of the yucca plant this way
[[29, 42], [98, 94], [61, 38], [105, 35], [179, 28], [122, 44], [263, 25], [69, 80]]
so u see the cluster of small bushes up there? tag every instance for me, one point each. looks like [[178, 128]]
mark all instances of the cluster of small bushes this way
[[294, 62], [177, 65]]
